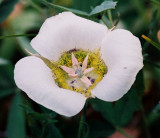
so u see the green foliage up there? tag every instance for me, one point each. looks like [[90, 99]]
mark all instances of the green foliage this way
[[97, 10], [16, 119], [121, 112], [6, 6], [103, 7], [156, 2], [7, 84], [61, 8], [46, 129], [98, 129], [25, 44], [6, 92]]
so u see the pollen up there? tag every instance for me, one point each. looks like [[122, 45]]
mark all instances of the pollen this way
[[79, 70]]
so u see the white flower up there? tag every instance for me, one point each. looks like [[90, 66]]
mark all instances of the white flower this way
[[120, 54]]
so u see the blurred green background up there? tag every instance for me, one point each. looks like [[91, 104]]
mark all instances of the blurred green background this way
[[136, 115]]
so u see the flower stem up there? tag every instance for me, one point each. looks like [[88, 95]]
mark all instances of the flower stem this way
[[103, 20], [19, 35], [81, 129], [145, 122], [35, 6], [110, 17], [122, 132]]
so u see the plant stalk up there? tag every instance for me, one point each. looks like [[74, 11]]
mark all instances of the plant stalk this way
[[110, 17], [81, 129]]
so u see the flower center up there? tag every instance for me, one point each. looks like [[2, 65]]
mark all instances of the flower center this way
[[79, 70]]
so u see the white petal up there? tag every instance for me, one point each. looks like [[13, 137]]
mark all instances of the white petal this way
[[122, 54], [35, 78], [67, 31]]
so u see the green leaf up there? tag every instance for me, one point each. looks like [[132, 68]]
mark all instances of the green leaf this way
[[100, 129], [51, 131], [154, 116], [16, 119], [98, 9], [85, 5], [6, 7], [47, 121], [47, 118], [106, 109], [8, 48], [48, 111], [6, 92], [6, 77], [29, 21], [156, 2], [120, 113], [157, 65], [3, 62], [157, 108], [25, 44], [106, 5]]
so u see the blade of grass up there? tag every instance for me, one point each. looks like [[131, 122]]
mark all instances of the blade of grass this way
[[157, 3], [151, 42], [152, 63], [18, 35]]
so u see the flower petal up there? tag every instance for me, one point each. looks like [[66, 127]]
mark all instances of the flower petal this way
[[67, 31], [35, 79], [122, 54]]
